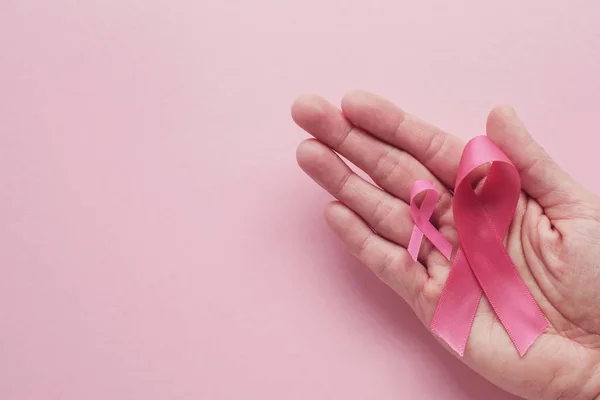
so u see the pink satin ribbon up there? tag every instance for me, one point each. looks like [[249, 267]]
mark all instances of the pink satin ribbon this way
[[482, 264], [421, 216]]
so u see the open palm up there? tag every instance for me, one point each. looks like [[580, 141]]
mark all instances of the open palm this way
[[554, 239]]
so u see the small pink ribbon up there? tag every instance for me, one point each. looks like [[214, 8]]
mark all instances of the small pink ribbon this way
[[482, 264], [421, 218]]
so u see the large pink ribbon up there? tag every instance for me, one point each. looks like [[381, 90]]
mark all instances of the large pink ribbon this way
[[421, 216], [482, 262]]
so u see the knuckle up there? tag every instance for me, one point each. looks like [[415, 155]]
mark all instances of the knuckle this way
[[387, 163], [347, 130], [381, 263], [364, 247], [342, 186], [386, 265], [400, 124], [383, 211], [434, 147]]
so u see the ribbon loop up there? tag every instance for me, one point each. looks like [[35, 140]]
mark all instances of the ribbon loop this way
[[482, 263], [421, 218]]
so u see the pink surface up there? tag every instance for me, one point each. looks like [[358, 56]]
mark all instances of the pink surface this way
[[158, 239]]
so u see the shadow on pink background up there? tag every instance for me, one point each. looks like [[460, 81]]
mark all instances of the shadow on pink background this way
[[158, 239]]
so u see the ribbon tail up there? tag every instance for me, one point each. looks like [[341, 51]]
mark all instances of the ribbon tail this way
[[500, 280], [415, 242], [456, 309]]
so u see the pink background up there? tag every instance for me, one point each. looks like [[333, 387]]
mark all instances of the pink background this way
[[157, 238]]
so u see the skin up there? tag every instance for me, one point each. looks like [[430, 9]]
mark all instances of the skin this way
[[554, 239]]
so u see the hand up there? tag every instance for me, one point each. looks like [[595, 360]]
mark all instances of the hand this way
[[554, 239]]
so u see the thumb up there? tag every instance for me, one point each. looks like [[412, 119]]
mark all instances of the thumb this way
[[541, 177]]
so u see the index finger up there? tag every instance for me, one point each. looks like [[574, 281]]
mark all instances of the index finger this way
[[437, 150]]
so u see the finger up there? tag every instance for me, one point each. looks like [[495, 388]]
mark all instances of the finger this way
[[437, 150], [392, 169], [387, 215], [391, 263], [541, 177]]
